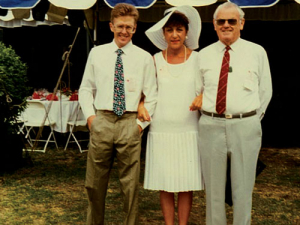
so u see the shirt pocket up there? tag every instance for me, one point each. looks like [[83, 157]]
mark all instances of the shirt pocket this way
[[131, 84], [251, 80]]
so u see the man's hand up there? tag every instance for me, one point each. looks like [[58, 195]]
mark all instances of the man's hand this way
[[197, 103], [143, 114], [90, 120]]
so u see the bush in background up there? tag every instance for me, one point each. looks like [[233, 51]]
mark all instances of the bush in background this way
[[13, 93]]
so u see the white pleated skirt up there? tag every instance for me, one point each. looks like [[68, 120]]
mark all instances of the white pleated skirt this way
[[173, 162]]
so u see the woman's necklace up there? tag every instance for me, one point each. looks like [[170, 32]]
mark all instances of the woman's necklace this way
[[166, 57]]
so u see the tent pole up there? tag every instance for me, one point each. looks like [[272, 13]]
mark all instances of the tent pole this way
[[96, 24], [56, 87]]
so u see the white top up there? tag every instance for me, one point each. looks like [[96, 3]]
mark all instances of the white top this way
[[249, 84], [177, 88], [97, 85]]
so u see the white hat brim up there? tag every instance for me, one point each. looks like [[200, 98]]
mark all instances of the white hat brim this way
[[71, 4], [156, 36], [191, 2]]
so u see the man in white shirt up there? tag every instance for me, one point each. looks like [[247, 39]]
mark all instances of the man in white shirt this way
[[234, 101], [115, 77]]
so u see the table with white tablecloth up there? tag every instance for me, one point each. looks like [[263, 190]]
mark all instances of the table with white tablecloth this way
[[60, 112]]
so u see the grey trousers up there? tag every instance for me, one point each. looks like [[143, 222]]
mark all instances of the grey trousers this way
[[239, 139], [112, 136]]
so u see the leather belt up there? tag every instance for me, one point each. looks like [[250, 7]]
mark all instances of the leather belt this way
[[112, 112], [230, 116]]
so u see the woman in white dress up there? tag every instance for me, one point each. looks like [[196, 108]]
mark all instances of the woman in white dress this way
[[172, 154]]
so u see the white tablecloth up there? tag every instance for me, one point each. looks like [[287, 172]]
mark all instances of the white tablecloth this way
[[60, 113]]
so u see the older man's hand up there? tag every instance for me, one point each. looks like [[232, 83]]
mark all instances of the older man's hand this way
[[143, 114]]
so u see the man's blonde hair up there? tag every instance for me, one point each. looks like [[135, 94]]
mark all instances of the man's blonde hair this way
[[124, 9]]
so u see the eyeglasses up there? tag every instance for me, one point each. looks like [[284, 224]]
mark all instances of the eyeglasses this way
[[120, 28], [221, 22]]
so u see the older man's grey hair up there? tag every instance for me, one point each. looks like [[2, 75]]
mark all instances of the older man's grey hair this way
[[227, 5]]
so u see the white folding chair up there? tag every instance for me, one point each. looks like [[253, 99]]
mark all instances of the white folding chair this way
[[77, 124], [36, 116], [22, 129]]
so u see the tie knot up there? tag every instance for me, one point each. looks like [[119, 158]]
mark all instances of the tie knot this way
[[119, 51], [228, 48]]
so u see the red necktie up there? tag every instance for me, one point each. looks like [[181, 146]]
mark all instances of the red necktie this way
[[222, 88]]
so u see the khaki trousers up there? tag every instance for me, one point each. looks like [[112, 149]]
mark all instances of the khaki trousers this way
[[240, 140], [112, 136]]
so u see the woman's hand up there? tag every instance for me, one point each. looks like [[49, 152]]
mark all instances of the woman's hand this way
[[197, 103], [90, 120], [143, 114]]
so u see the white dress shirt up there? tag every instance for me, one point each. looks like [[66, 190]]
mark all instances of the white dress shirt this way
[[97, 87], [249, 85]]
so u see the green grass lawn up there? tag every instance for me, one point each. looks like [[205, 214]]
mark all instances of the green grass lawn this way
[[51, 191]]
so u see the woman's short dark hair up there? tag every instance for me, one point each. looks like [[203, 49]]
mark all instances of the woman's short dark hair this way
[[176, 19]]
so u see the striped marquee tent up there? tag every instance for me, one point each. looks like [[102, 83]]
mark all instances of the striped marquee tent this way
[[16, 13]]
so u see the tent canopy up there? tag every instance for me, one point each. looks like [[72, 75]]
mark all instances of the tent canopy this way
[[283, 10], [16, 13], [18, 4]]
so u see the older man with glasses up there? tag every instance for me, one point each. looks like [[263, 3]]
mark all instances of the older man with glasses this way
[[236, 90], [115, 77]]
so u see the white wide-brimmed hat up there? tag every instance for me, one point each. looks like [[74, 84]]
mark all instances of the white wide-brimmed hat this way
[[191, 2], [156, 35]]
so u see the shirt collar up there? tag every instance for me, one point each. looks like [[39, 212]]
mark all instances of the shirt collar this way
[[221, 47], [126, 49]]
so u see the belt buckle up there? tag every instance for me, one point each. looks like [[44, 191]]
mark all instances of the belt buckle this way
[[228, 116]]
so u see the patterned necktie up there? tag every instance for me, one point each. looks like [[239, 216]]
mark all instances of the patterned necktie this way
[[222, 88], [119, 93]]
